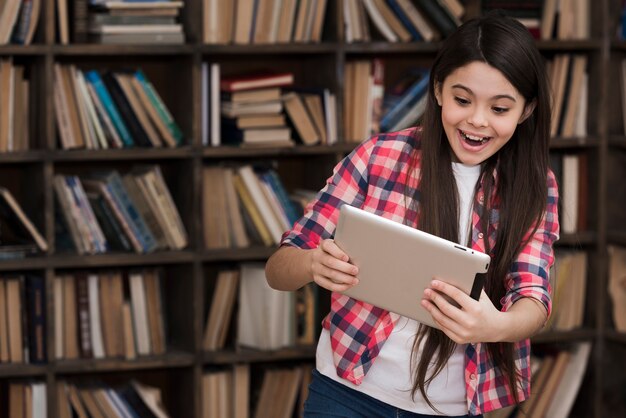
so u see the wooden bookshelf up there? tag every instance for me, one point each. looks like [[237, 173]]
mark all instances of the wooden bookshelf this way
[[175, 71]]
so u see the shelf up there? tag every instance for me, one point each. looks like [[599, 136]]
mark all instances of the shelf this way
[[87, 366], [585, 45], [618, 45], [584, 334], [8, 370], [391, 48], [121, 50], [616, 336], [12, 49], [618, 141], [566, 143], [23, 156], [618, 238], [258, 356], [271, 49], [122, 154], [236, 152]]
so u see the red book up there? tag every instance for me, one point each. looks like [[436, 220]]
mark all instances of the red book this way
[[255, 81]]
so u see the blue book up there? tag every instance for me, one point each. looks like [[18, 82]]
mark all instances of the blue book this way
[[409, 97], [94, 78], [406, 22], [271, 178], [115, 186]]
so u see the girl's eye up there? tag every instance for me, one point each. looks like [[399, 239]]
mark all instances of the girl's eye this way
[[500, 110], [461, 101]]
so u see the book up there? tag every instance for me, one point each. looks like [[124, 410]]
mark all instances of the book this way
[[254, 81], [13, 216]]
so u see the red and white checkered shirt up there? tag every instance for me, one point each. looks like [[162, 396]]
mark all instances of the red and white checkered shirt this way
[[375, 177]]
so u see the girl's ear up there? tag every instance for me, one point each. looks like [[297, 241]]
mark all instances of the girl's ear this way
[[528, 110], [438, 93]]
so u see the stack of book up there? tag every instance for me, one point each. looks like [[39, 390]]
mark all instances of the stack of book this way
[[401, 20], [528, 12], [22, 319], [97, 110], [14, 107], [263, 21], [18, 21], [107, 212], [96, 399], [129, 22], [569, 290], [264, 109], [241, 206], [617, 286], [111, 314], [568, 77], [252, 110]]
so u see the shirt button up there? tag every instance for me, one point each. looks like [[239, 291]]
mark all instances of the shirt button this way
[[480, 235], [481, 199], [472, 376]]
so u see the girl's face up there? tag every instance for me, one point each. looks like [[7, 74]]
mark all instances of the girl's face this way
[[480, 110]]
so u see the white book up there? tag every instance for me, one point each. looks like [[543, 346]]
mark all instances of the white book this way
[[214, 108], [97, 343], [39, 402], [140, 314], [569, 194]]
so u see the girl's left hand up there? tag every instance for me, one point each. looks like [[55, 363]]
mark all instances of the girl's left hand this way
[[472, 322]]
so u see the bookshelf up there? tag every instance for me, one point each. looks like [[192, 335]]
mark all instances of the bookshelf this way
[[176, 72]]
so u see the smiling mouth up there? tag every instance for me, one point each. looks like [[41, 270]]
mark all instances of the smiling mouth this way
[[474, 140]]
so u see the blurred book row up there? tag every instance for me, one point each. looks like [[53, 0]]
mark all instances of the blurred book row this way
[[267, 319], [97, 110], [22, 319], [400, 20], [14, 106], [548, 19], [281, 395], [119, 22], [557, 376], [244, 206], [263, 21], [109, 314], [105, 212]]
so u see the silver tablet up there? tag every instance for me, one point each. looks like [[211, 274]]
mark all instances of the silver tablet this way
[[397, 263]]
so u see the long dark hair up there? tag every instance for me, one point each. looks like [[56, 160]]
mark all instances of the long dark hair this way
[[522, 166]]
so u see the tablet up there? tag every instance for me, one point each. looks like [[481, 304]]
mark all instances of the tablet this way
[[397, 263]]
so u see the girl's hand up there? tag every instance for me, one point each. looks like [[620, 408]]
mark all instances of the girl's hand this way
[[330, 267], [472, 322]]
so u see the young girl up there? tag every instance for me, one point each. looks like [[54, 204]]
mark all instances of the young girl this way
[[475, 173]]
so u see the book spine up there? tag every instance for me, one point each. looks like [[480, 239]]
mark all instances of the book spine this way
[[94, 78], [36, 305], [160, 107], [139, 226]]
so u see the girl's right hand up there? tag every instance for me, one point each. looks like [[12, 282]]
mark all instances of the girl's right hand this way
[[331, 268]]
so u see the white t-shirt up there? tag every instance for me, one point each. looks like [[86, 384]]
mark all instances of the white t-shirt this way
[[389, 379]]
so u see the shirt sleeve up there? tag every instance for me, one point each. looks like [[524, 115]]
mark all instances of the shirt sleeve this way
[[530, 273], [347, 185]]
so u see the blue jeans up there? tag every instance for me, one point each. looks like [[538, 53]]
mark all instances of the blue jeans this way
[[328, 398]]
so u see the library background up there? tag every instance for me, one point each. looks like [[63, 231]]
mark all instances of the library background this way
[[152, 153]]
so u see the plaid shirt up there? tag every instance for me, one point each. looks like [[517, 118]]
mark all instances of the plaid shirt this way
[[375, 177]]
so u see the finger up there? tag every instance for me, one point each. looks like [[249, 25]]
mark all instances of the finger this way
[[444, 305], [440, 317], [329, 246], [328, 284], [337, 276], [334, 263], [455, 293]]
